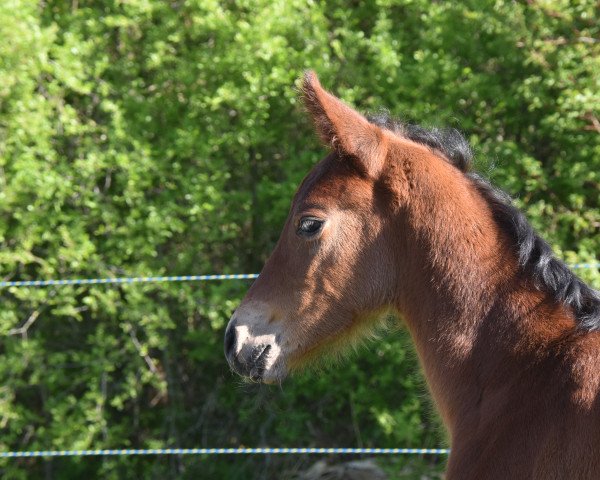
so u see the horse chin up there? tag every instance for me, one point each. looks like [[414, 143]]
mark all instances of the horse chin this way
[[275, 370], [273, 376]]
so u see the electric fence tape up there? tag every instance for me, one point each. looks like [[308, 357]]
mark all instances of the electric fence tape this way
[[225, 451], [98, 281]]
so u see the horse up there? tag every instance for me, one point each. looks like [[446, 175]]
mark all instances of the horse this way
[[394, 221]]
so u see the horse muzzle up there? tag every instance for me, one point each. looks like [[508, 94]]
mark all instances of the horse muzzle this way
[[252, 348]]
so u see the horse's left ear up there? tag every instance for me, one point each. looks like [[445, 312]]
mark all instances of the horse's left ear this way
[[343, 128]]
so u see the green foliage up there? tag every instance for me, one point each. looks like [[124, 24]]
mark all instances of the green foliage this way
[[162, 137]]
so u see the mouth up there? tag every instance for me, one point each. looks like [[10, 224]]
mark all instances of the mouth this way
[[258, 362]]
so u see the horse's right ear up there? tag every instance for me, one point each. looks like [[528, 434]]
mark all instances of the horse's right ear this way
[[343, 128]]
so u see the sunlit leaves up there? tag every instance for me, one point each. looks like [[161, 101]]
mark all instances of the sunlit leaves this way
[[151, 137]]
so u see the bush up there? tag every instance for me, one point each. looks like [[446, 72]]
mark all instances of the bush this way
[[161, 137]]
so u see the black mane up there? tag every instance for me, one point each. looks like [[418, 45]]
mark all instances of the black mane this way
[[536, 258]]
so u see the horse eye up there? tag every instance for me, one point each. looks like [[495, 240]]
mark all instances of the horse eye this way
[[309, 226]]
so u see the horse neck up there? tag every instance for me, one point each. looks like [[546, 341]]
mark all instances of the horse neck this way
[[461, 294]]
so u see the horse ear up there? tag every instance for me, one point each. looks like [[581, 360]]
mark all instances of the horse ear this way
[[343, 128]]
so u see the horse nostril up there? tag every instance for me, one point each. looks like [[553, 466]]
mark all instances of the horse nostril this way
[[229, 341]]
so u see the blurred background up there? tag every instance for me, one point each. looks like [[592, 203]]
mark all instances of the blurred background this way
[[148, 137]]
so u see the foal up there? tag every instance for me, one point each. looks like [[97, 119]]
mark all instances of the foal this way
[[392, 221]]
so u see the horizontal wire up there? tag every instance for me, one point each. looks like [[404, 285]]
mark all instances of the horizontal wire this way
[[225, 451], [175, 278], [585, 265], [95, 281]]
